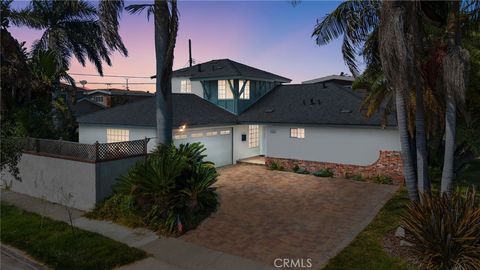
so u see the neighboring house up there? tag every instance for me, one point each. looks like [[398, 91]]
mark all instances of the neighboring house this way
[[314, 126], [339, 79], [86, 106], [114, 97]]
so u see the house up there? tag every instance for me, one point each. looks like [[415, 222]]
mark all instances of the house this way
[[113, 97], [238, 112], [341, 79]]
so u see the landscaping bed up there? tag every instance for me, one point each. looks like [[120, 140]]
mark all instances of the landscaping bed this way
[[60, 246]]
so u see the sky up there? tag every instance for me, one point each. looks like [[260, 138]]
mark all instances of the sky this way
[[271, 35]]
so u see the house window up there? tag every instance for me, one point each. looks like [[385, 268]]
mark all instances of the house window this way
[[224, 91], [253, 136], [185, 86], [297, 133], [98, 99], [197, 135], [212, 133], [246, 89], [117, 135], [224, 132], [180, 136]]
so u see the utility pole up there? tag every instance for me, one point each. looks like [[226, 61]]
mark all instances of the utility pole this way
[[190, 52]]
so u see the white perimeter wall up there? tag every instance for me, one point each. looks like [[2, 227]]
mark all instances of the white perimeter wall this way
[[346, 145], [197, 88], [53, 179]]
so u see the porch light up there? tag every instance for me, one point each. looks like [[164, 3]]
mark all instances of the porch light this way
[[183, 127]]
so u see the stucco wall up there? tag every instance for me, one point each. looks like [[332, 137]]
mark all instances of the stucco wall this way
[[346, 145], [196, 86], [53, 179], [240, 149]]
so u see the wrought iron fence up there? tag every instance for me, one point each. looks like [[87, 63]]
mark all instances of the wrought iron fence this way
[[85, 152]]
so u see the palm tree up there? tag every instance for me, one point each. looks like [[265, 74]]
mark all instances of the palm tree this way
[[70, 29], [359, 23], [166, 27]]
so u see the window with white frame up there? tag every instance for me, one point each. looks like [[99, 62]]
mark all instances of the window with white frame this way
[[212, 133], [185, 86], [253, 136], [297, 133], [225, 132], [224, 91], [246, 90], [180, 136], [117, 135], [197, 135]]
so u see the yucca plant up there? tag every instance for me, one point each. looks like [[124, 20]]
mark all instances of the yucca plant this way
[[445, 230], [198, 188]]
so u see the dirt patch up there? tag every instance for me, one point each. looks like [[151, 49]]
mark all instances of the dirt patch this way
[[391, 244]]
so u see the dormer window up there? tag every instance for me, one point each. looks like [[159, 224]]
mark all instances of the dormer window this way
[[224, 91], [185, 86], [246, 90]]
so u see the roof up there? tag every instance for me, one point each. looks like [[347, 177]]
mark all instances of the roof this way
[[119, 92], [331, 78], [188, 109], [226, 68], [85, 106], [311, 104]]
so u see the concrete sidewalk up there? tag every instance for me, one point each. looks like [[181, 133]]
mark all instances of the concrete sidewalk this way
[[166, 253]]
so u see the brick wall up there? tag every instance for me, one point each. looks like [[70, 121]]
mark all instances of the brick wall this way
[[388, 164]]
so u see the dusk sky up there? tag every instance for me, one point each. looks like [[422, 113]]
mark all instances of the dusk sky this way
[[271, 35]]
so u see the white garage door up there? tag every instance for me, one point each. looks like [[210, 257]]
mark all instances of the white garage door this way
[[218, 142]]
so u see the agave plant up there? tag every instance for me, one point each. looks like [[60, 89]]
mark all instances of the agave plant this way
[[445, 230]]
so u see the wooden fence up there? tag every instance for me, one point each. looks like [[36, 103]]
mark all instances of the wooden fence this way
[[96, 152]]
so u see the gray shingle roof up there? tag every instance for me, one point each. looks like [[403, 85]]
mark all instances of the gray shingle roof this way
[[85, 106], [188, 109], [311, 104], [226, 68]]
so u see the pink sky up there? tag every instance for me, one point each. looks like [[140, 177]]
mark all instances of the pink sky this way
[[270, 35]]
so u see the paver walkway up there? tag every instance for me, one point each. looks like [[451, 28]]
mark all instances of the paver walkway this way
[[266, 214]]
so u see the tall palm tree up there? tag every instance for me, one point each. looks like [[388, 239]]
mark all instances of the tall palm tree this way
[[70, 29]]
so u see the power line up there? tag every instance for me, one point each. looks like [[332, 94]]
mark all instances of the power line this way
[[112, 76]]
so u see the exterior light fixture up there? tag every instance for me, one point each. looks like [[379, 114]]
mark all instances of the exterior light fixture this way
[[183, 127]]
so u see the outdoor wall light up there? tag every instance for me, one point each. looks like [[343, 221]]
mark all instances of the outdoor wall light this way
[[183, 127]]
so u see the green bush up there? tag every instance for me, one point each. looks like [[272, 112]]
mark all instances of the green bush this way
[[356, 177], [276, 167], [324, 173], [445, 230], [120, 208], [299, 170], [172, 190], [382, 179]]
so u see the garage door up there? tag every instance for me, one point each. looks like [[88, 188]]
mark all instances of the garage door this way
[[218, 142]]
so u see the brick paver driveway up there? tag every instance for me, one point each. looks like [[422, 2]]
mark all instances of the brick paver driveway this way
[[270, 214]]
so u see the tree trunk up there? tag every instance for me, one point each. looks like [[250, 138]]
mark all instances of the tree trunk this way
[[408, 168], [163, 99], [456, 69], [448, 161]]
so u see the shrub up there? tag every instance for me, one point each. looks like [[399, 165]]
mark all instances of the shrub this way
[[119, 208], [445, 230], [172, 190], [299, 170], [356, 177], [382, 179], [324, 173], [276, 167]]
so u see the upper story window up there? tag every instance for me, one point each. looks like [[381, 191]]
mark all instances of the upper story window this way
[[185, 86], [224, 91], [297, 133], [246, 90], [253, 136], [117, 135], [98, 99]]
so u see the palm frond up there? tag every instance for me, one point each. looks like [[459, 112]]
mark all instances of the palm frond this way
[[139, 8], [109, 15]]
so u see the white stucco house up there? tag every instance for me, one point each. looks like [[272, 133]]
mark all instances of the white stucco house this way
[[238, 112]]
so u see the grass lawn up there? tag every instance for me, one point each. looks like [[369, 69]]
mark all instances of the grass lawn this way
[[53, 243], [366, 251]]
